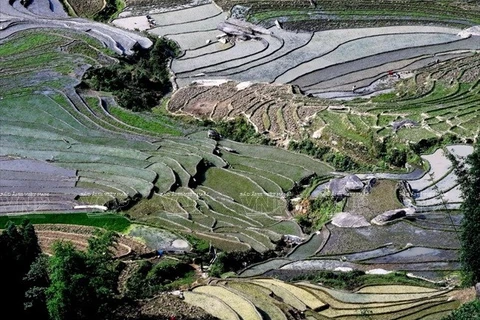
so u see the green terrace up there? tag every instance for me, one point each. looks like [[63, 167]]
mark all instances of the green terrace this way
[[185, 182]]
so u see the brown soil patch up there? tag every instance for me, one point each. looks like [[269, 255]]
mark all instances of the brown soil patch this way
[[165, 306], [276, 105], [463, 295], [86, 7], [48, 234], [203, 108]]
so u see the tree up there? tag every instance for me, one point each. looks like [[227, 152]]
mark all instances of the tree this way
[[30, 242], [83, 284], [38, 280], [18, 249], [68, 282], [469, 178], [138, 81], [150, 279], [102, 270]]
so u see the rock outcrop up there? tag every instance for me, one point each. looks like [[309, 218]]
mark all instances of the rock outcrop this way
[[236, 27], [392, 215], [472, 31], [341, 187], [405, 193], [213, 134], [405, 123], [349, 220]]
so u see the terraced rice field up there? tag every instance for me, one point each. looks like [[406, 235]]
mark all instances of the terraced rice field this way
[[280, 112], [66, 150], [275, 299], [439, 187], [16, 18], [425, 245], [313, 15], [63, 150], [321, 62], [219, 81], [303, 58]]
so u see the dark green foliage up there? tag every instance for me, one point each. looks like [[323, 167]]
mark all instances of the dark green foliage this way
[[340, 280], [468, 311], [67, 281], [38, 280], [397, 157], [200, 247], [340, 161], [430, 144], [18, 250], [139, 81], [235, 261], [306, 146], [469, 179], [112, 222], [319, 211], [25, 3], [109, 11], [83, 284], [242, 131], [150, 279]]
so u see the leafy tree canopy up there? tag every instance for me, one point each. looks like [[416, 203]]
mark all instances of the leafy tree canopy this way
[[138, 81], [83, 284], [18, 250], [469, 179]]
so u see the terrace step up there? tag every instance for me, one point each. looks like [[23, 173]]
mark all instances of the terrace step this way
[[244, 308]]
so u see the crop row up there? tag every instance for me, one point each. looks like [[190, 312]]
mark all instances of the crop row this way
[[237, 299]]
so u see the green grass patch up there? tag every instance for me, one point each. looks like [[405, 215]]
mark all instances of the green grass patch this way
[[141, 122], [319, 211], [243, 190], [382, 198], [106, 221], [27, 41], [270, 14]]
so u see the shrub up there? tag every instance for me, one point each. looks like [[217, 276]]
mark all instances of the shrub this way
[[308, 147], [319, 211], [138, 81], [428, 145], [397, 157], [241, 130], [469, 179], [340, 161], [109, 11], [235, 261], [150, 278], [468, 311]]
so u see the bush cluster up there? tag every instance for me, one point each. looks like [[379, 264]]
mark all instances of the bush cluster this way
[[240, 130], [151, 278], [235, 261], [320, 210], [340, 161], [138, 81]]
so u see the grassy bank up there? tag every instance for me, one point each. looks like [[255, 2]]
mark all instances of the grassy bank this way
[[107, 221]]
